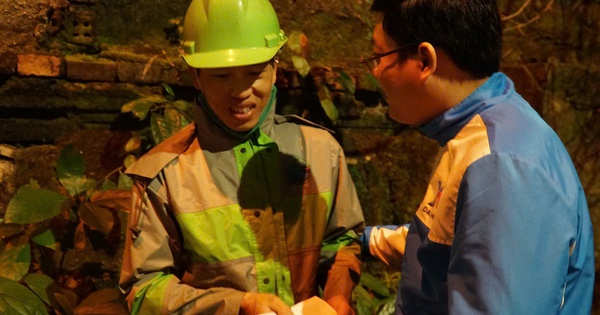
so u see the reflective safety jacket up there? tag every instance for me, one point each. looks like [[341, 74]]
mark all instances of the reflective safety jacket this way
[[504, 226], [215, 216]]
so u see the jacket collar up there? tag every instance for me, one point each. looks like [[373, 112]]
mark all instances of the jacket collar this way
[[446, 126], [214, 138]]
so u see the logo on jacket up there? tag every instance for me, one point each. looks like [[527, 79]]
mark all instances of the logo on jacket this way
[[434, 202]]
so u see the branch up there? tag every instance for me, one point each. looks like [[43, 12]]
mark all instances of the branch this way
[[521, 9]]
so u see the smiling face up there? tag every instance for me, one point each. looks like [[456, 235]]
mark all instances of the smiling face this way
[[238, 95]]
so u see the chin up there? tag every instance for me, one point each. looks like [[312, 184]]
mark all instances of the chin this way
[[242, 128], [398, 118]]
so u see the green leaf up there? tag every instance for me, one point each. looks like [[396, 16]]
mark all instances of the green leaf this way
[[374, 284], [47, 239], [70, 163], [182, 105], [108, 185], [175, 120], [133, 143], [186, 110], [330, 110], [64, 303], [125, 182], [364, 301], [388, 306], [373, 81], [160, 129], [14, 262], [139, 108], [31, 205], [102, 302], [301, 65], [16, 299], [347, 82], [77, 185], [41, 284], [70, 169], [129, 160], [97, 217], [69, 296], [169, 90], [297, 43]]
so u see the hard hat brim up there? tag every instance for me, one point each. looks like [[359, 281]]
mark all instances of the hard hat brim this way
[[231, 57]]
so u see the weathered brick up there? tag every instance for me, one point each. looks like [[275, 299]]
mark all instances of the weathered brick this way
[[135, 72], [36, 130], [8, 63], [99, 70], [176, 77], [39, 65]]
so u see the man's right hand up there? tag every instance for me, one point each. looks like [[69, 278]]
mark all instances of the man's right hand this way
[[258, 303]]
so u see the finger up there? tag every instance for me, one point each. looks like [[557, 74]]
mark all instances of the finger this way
[[279, 307]]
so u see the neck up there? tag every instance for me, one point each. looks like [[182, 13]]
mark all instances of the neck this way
[[449, 86]]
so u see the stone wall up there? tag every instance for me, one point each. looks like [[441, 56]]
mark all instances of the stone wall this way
[[67, 67]]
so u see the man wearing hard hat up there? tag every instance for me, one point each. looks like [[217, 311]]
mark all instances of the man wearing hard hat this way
[[243, 211]]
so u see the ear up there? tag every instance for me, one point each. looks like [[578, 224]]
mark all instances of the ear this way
[[427, 59], [274, 64], [195, 78]]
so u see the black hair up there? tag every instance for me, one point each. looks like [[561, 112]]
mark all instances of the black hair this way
[[468, 31]]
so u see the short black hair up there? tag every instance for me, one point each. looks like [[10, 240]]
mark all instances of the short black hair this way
[[468, 31]]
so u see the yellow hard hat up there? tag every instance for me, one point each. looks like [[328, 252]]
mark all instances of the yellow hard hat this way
[[230, 33]]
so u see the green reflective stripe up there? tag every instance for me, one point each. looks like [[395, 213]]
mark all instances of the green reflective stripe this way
[[148, 298], [243, 152], [217, 234], [332, 246], [275, 278], [265, 273], [246, 150], [285, 291]]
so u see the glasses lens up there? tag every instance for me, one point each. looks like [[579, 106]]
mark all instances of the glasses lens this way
[[374, 63], [371, 64]]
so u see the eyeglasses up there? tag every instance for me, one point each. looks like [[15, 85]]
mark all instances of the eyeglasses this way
[[373, 61]]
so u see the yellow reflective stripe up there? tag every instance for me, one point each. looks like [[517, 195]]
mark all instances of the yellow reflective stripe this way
[[328, 197], [217, 234], [148, 298]]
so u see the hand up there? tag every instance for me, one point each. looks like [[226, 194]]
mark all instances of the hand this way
[[341, 305], [257, 303]]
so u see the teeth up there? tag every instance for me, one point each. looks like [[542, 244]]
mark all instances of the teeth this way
[[243, 110]]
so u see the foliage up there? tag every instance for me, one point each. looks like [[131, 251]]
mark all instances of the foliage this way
[[376, 294], [333, 86], [40, 226], [166, 116]]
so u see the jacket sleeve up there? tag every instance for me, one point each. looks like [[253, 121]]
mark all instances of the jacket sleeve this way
[[515, 233], [152, 265], [340, 253], [385, 243]]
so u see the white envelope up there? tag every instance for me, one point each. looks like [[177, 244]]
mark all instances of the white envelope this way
[[311, 306]]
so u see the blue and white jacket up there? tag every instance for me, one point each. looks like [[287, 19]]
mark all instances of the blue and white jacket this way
[[504, 226]]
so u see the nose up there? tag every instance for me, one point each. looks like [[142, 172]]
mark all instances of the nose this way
[[241, 88]]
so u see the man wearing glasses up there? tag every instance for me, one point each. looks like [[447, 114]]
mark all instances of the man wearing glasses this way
[[504, 226]]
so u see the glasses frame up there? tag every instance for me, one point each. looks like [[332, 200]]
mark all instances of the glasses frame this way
[[375, 57]]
